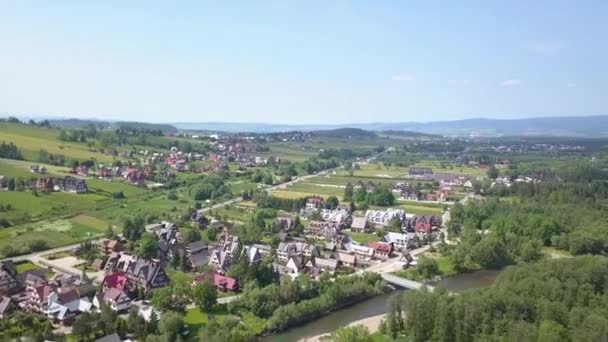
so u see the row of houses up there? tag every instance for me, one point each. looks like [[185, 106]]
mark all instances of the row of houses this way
[[295, 258], [67, 184]]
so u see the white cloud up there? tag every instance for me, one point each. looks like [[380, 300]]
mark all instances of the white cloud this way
[[403, 78], [510, 83]]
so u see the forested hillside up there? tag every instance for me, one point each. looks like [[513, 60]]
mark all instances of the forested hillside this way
[[557, 300]]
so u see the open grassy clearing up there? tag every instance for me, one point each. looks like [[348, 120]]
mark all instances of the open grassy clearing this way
[[343, 180], [107, 188], [420, 209], [28, 207], [376, 171], [363, 238], [23, 267], [54, 233], [308, 190], [21, 168], [436, 166], [31, 139]]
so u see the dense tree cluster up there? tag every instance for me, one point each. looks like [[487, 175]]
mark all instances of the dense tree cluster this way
[[568, 216], [380, 196], [294, 302], [211, 187], [555, 300], [25, 326], [10, 151]]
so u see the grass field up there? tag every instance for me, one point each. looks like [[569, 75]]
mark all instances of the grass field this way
[[30, 140], [20, 168], [364, 238], [376, 171], [54, 233], [343, 180], [23, 267], [420, 208], [27, 207], [107, 188]]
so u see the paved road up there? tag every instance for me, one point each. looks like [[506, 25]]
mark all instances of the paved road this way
[[26, 257]]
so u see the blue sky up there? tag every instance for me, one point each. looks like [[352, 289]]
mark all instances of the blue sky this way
[[303, 62]]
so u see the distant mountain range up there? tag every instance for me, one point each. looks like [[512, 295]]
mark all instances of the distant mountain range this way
[[591, 126], [583, 126]]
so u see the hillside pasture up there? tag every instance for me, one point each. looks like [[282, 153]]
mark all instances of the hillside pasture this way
[[30, 140]]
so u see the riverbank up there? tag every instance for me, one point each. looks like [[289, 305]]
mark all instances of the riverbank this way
[[371, 323], [371, 312]]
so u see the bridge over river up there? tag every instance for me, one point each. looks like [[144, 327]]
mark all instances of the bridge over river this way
[[405, 283]]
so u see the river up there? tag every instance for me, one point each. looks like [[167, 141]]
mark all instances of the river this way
[[376, 306]]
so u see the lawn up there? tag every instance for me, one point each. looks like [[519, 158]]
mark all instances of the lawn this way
[[421, 208], [195, 319], [363, 238], [23, 267]]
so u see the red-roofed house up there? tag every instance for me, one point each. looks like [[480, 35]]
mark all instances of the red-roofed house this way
[[314, 202], [382, 250], [221, 282], [117, 280]]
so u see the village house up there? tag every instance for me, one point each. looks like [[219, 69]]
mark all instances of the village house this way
[[107, 246], [64, 304], [293, 267], [198, 217], [38, 169], [345, 259], [362, 252], [284, 223], [135, 177], [264, 250], [147, 274], [320, 265], [314, 203], [8, 278], [400, 241], [167, 234], [116, 299], [44, 184], [382, 250], [81, 170], [197, 254], [221, 282], [420, 171], [322, 230], [104, 173], [360, 225], [72, 184], [424, 224], [7, 306], [115, 280], [340, 216], [286, 250], [384, 217]]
